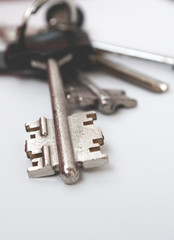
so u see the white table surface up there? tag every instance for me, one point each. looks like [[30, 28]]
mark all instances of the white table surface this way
[[133, 197]]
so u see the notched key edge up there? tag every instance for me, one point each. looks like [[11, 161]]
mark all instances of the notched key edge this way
[[41, 148], [86, 139]]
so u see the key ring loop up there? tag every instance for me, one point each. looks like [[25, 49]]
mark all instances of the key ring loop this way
[[34, 7]]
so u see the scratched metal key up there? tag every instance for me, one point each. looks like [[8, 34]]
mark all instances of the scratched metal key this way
[[84, 93]]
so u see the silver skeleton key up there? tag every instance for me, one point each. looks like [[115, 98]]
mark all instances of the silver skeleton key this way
[[130, 75], [87, 94], [64, 144]]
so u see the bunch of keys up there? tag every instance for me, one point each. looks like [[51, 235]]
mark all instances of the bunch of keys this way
[[68, 143]]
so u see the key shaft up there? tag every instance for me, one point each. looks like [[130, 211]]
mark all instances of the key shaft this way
[[67, 165], [131, 75], [129, 52]]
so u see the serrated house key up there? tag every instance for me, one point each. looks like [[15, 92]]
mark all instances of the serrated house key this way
[[80, 90]]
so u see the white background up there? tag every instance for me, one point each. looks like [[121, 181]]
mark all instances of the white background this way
[[132, 198]]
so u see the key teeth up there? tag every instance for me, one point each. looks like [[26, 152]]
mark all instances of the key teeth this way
[[99, 141], [87, 139], [91, 117], [41, 167], [97, 157], [39, 148], [32, 126], [41, 125], [114, 100]]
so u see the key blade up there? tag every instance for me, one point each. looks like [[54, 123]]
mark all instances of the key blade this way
[[41, 148], [86, 94], [87, 140]]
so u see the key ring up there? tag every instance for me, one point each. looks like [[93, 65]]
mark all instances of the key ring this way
[[60, 14], [34, 7]]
